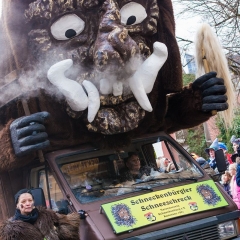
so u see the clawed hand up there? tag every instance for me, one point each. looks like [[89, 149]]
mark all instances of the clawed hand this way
[[213, 92], [28, 133]]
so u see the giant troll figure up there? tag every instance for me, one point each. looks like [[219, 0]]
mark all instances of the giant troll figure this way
[[101, 71]]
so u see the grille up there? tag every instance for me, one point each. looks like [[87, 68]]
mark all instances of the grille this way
[[206, 233]]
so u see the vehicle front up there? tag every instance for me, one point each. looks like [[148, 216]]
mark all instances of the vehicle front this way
[[172, 203]]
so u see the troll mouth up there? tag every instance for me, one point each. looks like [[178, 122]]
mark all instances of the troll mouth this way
[[89, 96]]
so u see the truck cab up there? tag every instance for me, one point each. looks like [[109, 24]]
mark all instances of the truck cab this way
[[181, 203]]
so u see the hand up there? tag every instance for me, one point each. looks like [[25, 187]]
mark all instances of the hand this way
[[28, 133], [82, 214], [213, 92]]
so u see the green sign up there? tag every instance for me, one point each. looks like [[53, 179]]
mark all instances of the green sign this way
[[150, 208]]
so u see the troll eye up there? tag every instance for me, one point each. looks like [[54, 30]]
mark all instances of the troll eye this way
[[132, 13], [67, 27]]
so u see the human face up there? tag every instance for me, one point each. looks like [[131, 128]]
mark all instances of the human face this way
[[166, 162], [211, 153], [133, 163], [235, 147], [225, 178], [25, 203]]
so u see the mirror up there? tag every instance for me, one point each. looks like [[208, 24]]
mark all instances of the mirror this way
[[220, 160], [39, 198]]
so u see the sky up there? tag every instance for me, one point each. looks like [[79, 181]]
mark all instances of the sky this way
[[186, 28]]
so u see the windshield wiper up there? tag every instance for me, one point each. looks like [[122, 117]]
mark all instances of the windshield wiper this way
[[130, 187], [143, 187], [189, 179], [146, 187], [157, 179]]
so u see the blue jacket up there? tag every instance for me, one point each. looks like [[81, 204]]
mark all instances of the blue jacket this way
[[226, 187], [238, 175], [212, 163]]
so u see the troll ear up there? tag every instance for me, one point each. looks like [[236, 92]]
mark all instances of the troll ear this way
[[171, 72], [14, 38]]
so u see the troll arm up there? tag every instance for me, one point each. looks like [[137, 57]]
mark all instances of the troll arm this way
[[196, 103]]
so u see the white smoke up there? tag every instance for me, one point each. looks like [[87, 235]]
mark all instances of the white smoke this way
[[36, 78]]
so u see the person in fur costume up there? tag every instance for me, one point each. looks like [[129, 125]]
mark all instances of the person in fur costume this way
[[94, 71], [38, 223]]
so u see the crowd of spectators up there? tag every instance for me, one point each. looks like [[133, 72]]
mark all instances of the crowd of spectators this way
[[230, 179]]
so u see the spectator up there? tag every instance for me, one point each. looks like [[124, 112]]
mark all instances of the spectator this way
[[211, 153], [235, 144], [225, 182], [194, 155], [235, 181], [164, 162]]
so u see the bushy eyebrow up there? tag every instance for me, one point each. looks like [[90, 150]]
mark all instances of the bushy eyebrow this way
[[48, 9]]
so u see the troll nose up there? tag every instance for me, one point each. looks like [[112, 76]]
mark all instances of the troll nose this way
[[113, 44]]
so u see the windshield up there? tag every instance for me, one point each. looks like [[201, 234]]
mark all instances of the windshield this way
[[98, 175]]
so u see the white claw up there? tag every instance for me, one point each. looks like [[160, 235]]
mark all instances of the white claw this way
[[144, 78], [140, 94], [73, 91], [94, 99], [117, 88], [105, 86], [148, 71]]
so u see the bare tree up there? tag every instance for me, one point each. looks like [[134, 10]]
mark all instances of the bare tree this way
[[224, 17]]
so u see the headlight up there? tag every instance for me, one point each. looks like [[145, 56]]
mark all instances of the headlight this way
[[227, 230]]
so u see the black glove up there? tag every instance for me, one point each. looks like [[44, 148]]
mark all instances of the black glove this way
[[213, 92], [82, 214], [28, 133]]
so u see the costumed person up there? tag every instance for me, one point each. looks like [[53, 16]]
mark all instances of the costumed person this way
[[129, 65], [225, 182], [235, 144], [211, 153], [30, 222], [234, 170]]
